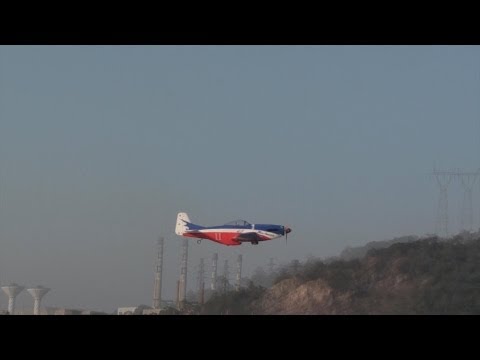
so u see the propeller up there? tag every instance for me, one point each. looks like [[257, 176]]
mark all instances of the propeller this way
[[286, 230]]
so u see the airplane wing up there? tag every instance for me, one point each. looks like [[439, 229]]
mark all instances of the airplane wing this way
[[248, 237]]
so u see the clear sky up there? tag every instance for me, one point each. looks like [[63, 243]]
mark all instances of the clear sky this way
[[101, 146]]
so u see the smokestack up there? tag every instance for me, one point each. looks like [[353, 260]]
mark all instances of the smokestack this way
[[38, 293], [12, 291], [239, 272], [214, 272], [178, 294], [201, 280], [183, 272], [225, 276], [157, 289]]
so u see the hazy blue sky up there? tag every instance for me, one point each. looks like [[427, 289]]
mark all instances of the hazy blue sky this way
[[101, 146]]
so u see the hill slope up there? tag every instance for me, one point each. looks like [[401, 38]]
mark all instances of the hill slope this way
[[418, 277]]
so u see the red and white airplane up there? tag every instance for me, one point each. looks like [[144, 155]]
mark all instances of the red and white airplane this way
[[232, 233]]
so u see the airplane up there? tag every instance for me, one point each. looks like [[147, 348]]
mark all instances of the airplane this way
[[232, 233]]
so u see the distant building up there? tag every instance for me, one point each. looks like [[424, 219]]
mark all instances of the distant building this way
[[63, 311], [91, 312], [152, 311], [168, 303], [26, 311], [133, 310]]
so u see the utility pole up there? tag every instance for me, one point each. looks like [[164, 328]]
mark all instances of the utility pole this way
[[443, 179], [467, 180]]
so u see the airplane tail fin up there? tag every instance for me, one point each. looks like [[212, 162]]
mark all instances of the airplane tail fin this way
[[182, 226]]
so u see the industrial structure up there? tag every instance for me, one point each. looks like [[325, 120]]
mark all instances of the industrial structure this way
[[225, 276], [443, 179], [157, 288], [467, 180], [38, 293], [239, 273], [201, 282], [182, 287], [12, 291], [214, 272]]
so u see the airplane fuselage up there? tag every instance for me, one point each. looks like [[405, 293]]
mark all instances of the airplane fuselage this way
[[227, 235]]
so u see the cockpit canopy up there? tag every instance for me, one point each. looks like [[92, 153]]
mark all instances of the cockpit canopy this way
[[238, 223]]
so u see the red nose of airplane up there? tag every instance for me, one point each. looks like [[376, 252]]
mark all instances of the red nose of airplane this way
[[288, 230]]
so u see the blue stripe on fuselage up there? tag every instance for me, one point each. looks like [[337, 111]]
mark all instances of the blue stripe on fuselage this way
[[198, 227], [229, 227], [191, 226]]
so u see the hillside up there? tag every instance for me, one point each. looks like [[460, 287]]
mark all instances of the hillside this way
[[429, 276]]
